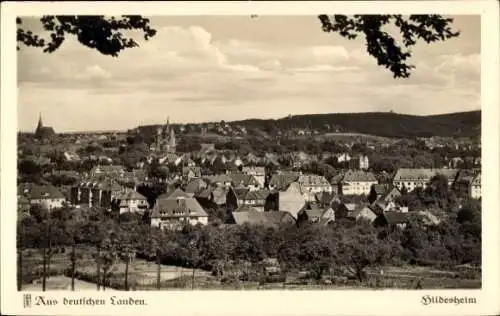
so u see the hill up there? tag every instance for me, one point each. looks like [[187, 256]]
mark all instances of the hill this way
[[462, 124]]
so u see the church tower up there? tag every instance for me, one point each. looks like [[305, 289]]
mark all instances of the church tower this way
[[40, 124], [171, 141]]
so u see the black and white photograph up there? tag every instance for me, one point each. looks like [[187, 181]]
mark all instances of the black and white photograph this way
[[249, 152]]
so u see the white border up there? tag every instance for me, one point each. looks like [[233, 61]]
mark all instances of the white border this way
[[262, 302]]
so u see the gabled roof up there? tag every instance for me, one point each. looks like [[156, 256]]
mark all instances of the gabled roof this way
[[175, 194], [240, 192], [130, 195], [395, 217], [257, 194], [291, 200], [35, 191], [315, 212], [313, 180], [362, 212], [423, 174], [324, 197], [337, 178], [220, 178], [359, 176], [281, 181], [243, 179], [391, 194]]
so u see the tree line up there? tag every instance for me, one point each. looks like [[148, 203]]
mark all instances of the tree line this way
[[344, 248]]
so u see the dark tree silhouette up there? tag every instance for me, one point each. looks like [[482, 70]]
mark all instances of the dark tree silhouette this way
[[97, 32], [381, 45], [106, 34]]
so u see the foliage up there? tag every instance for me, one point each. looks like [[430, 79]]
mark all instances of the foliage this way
[[348, 247], [384, 47], [106, 35], [96, 32], [378, 123]]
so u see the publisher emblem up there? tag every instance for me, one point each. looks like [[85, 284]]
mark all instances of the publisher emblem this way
[[27, 300]]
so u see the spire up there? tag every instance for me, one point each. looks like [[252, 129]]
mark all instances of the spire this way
[[40, 124]]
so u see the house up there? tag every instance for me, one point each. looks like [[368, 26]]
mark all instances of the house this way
[[314, 214], [259, 173], [107, 170], [267, 219], [221, 180], [475, 187], [324, 198], [170, 159], [131, 201], [281, 181], [95, 192], [70, 156], [191, 172], [364, 163], [357, 183], [251, 159], [175, 212], [463, 182], [47, 196], [411, 179], [344, 157], [195, 186], [428, 219], [455, 162], [384, 200], [362, 213], [377, 191], [175, 194], [291, 200], [397, 219], [256, 198], [244, 180], [235, 197], [312, 184]]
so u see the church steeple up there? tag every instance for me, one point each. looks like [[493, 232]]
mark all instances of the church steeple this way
[[40, 124]]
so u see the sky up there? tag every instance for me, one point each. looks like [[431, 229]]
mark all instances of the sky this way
[[212, 68]]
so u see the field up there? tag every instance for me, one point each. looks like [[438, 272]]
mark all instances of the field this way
[[143, 276], [61, 283]]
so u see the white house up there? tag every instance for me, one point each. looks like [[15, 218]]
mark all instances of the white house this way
[[131, 201], [174, 212], [45, 195], [357, 183], [313, 184], [415, 178], [258, 172]]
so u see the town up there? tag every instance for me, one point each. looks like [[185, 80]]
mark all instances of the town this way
[[298, 201]]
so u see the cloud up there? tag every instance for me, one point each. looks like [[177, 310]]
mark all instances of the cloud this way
[[193, 74], [93, 72]]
